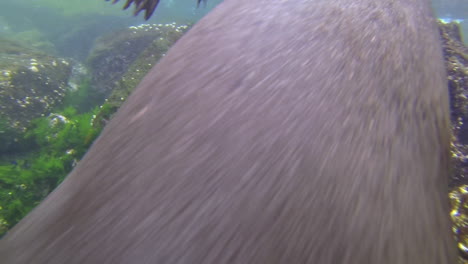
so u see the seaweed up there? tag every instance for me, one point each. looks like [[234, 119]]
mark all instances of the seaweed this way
[[59, 141], [83, 98]]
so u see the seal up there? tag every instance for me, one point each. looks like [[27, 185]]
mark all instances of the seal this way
[[272, 132]]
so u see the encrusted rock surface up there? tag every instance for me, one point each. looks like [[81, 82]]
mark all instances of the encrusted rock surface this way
[[31, 84]]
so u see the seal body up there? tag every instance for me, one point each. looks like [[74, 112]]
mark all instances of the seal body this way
[[272, 132]]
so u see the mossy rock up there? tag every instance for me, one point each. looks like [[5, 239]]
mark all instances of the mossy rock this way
[[456, 61], [31, 84], [58, 142], [121, 59]]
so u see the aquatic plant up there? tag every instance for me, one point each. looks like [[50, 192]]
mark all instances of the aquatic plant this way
[[23, 186], [58, 142], [64, 132], [82, 98]]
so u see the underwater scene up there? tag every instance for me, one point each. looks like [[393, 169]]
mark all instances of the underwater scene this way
[[67, 66]]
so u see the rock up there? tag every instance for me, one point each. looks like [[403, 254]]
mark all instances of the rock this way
[[119, 60], [31, 85], [456, 60]]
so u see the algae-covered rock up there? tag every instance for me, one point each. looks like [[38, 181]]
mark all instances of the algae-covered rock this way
[[117, 71], [459, 214], [34, 39], [127, 55], [456, 61], [31, 84]]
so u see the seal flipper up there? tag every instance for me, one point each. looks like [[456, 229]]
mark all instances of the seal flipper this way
[[199, 1], [147, 5]]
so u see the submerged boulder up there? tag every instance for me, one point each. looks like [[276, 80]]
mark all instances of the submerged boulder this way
[[129, 54], [31, 85], [456, 61]]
